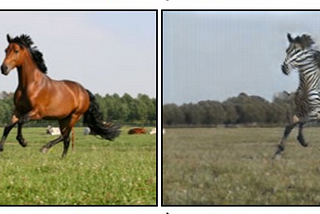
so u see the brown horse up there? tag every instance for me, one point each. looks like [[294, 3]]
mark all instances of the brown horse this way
[[39, 97]]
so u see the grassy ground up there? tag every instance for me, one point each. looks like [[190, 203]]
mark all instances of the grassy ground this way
[[122, 172], [220, 166]]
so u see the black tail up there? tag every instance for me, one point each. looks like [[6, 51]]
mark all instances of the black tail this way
[[93, 119]]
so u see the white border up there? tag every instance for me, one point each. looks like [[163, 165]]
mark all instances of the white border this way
[[159, 4]]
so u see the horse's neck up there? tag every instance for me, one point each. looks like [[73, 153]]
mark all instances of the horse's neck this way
[[28, 73]]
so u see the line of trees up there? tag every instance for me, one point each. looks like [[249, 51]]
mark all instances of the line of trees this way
[[243, 109], [139, 111]]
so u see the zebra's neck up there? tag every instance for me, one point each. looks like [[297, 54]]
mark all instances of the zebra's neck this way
[[309, 76]]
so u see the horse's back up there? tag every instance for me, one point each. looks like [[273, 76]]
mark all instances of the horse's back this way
[[59, 99], [78, 94]]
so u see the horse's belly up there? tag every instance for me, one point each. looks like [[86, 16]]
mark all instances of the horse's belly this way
[[56, 111]]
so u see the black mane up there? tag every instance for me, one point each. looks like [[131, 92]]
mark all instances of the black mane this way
[[305, 41], [25, 41]]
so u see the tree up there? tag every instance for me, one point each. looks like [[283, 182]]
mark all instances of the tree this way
[[191, 113], [212, 112], [231, 115], [173, 115], [150, 106]]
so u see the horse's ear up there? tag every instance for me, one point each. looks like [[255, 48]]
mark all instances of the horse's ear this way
[[289, 38], [9, 38]]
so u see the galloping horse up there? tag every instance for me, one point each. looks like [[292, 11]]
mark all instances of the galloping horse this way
[[39, 97]]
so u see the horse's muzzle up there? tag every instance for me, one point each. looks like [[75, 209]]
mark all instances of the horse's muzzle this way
[[4, 69]]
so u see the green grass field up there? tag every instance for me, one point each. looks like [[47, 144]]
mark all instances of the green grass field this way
[[218, 166], [97, 172]]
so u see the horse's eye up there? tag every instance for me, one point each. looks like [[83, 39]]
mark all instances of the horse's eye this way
[[16, 51]]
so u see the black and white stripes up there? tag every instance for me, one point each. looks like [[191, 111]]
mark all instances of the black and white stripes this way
[[302, 57]]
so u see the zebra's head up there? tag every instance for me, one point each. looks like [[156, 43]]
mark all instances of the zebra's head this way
[[298, 53]]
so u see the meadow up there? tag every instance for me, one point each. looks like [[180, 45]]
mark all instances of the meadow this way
[[97, 172], [234, 166]]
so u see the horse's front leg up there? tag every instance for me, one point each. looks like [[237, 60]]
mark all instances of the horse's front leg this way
[[32, 115], [23, 119], [20, 138], [7, 129]]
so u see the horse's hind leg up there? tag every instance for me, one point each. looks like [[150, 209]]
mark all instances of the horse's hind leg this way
[[66, 126], [46, 147], [66, 143], [20, 138]]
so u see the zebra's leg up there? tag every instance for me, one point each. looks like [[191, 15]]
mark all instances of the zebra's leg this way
[[300, 137], [286, 133], [313, 116]]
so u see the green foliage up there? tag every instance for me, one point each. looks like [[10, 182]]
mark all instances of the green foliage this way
[[212, 112], [242, 109], [97, 172]]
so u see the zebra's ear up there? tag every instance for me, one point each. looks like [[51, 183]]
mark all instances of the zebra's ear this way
[[289, 38]]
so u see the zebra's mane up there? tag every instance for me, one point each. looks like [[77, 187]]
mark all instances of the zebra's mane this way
[[305, 41], [317, 57]]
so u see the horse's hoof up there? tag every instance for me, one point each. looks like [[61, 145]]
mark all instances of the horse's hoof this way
[[21, 141], [24, 144], [44, 150]]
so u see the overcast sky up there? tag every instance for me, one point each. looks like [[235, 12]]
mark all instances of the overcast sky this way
[[217, 55], [107, 52]]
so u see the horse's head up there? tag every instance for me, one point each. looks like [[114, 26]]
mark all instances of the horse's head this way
[[14, 55], [298, 53]]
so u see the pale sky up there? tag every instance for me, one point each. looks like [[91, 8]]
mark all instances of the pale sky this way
[[106, 51], [219, 54]]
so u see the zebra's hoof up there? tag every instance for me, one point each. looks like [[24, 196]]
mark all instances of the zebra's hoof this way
[[302, 141], [44, 150], [277, 156], [280, 148]]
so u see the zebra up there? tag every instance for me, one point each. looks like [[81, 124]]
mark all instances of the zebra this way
[[302, 56]]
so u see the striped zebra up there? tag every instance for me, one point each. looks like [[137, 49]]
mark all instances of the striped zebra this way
[[302, 56]]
